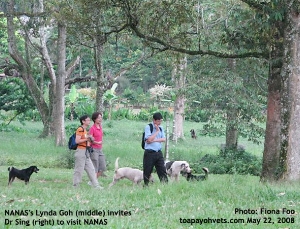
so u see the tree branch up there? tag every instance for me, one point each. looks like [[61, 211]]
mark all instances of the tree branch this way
[[80, 79], [166, 46], [133, 24], [71, 66]]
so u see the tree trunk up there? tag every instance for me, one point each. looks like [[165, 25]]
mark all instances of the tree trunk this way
[[101, 85], [179, 76], [59, 103], [290, 131], [231, 130], [232, 115], [25, 71], [270, 163], [281, 157]]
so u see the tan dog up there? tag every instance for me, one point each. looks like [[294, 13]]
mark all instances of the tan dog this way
[[135, 175], [175, 167]]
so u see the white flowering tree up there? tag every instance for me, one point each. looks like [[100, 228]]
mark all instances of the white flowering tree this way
[[160, 93]]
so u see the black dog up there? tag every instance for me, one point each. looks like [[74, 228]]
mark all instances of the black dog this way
[[193, 134], [191, 177], [23, 174]]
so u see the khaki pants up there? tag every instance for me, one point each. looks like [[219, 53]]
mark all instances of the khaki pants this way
[[83, 162], [98, 159]]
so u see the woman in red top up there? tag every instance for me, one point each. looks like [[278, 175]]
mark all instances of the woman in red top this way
[[98, 157]]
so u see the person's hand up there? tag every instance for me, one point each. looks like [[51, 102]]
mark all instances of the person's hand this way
[[91, 138]]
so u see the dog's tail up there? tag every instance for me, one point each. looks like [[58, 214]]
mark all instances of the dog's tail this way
[[206, 171], [116, 164]]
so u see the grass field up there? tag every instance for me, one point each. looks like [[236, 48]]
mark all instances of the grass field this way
[[223, 201]]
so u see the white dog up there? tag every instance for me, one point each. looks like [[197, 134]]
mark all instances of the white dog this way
[[135, 175], [175, 167]]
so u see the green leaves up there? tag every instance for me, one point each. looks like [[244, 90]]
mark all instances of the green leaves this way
[[73, 95], [14, 96], [110, 95]]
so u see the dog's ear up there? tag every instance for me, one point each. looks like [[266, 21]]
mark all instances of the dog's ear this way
[[183, 165]]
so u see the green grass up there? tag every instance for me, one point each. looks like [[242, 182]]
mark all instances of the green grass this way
[[158, 206]]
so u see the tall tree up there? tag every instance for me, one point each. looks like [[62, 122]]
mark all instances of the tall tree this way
[[53, 114]]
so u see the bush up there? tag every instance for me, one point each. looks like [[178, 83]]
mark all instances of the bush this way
[[230, 161], [67, 160]]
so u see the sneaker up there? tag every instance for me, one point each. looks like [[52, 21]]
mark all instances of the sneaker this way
[[99, 187], [90, 183]]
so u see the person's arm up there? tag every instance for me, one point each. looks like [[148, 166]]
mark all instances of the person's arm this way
[[91, 135], [152, 138], [80, 138], [93, 140]]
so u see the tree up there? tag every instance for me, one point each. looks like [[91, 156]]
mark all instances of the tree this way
[[52, 115], [231, 99]]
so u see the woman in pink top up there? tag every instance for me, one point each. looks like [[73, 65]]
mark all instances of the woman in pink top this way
[[98, 157]]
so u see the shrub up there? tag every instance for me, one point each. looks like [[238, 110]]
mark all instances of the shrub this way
[[230, 161], [67, 159]]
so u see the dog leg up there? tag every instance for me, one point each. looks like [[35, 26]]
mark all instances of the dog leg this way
[[176, 177], [113, 182], [11, 179]]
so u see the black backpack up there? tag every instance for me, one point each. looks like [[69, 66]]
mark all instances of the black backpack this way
[[72, 141], [143, 137]]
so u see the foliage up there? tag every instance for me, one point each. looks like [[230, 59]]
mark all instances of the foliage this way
[[67, 159], [72, 96], [231, 161], [9, 128], [119, 114], [157, 70], [3, 41], [227, 86], [194, 114], [14, 96], [84, 104]]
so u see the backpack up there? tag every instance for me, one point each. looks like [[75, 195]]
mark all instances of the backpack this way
[[143, 137], [72, 141]]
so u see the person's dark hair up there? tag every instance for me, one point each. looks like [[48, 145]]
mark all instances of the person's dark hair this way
[[95, 116], [83, 117], [157, 116]]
